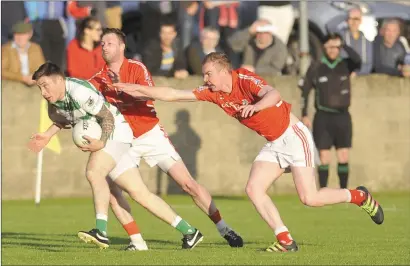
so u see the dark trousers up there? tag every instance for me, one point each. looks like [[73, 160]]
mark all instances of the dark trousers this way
[[52, 42]]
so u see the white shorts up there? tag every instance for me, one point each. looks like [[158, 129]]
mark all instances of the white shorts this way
[[117, 150], [154, 147], [294, 148]]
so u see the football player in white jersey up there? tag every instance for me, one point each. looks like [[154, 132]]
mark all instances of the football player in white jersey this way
[[73, 100]]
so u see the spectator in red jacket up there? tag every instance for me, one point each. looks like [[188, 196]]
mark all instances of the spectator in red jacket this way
[[84, 52]]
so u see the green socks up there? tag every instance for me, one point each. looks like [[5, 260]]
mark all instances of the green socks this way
[[101, 223], [182, 226]]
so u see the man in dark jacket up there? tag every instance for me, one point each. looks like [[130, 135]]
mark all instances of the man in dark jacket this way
[[198, 49], [389, 53], [165, 57], [332, 125]]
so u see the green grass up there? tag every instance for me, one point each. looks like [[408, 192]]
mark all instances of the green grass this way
[[341, 234]]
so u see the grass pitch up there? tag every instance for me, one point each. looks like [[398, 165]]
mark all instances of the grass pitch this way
[[342, 234]]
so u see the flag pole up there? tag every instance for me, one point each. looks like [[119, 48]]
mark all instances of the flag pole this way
[[38, 176]]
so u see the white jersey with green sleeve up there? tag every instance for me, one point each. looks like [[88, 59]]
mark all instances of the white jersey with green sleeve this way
[[82, 101]]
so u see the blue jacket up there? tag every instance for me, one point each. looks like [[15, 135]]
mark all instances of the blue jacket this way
[[363, 47]]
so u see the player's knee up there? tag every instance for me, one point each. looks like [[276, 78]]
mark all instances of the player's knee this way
[[252, 191], [310, 200], [94, 176], [191, 187], [140, 195]]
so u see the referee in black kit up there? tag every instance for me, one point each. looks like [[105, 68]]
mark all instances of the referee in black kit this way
[[332, 124]]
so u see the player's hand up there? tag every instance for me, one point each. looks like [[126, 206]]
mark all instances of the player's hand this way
[[248, 110], [38, 141], [181, 74], [306, 121], [28, 81], [93, 144], [252, 29]]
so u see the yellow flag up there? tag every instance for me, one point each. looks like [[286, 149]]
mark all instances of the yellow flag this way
[[45, 123]]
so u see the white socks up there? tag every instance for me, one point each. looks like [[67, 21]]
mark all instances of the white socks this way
[[281, 230], [176, 221], [349, 196]]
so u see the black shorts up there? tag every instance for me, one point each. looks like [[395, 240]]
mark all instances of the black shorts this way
[[330, 129]]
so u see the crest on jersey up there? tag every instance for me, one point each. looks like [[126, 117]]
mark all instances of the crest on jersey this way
[[201, 88], [90, 101], [245, 102]]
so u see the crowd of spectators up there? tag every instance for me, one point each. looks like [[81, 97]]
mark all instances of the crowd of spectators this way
[[175, 37]]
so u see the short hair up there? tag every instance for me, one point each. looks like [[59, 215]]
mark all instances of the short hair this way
[[218, 58], [391, 21], [46, 70], [354, 9], [121, 35], [210, 29], [168, 22], [332, 36], [85, 24]]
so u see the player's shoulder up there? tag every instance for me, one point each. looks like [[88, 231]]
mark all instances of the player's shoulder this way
[[78, 87], [245, 77], [97, 75], [136, 64]]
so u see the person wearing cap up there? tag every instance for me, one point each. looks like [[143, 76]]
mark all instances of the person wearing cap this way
[[263, 52], [21, 57]]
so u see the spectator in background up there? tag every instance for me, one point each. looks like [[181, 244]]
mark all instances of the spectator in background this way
[[113, 14], [280, 14], [21, 58], [11, 13], [264, 53], [197, 50], [165, 57], [50, 29], [389, 53], [224, 16], [154, 14], [355, 39], [109, 13], [187, 12], [86, 46], [82, 9]]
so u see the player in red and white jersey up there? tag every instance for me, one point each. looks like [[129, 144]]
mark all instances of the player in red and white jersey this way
[[151, 141], [248, 98]]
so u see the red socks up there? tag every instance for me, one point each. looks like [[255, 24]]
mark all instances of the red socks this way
[[284, 238], [357, 196], [215, 217], [131, 228]]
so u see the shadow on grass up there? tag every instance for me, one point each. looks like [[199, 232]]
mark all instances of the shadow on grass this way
[[36, 241]]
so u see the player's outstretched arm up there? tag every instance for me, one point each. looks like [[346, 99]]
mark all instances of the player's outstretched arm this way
[[167, 94], [39, 140]]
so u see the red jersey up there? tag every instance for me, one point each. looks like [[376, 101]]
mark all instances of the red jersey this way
[[270, 123], [139, 114], [90, 61]]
